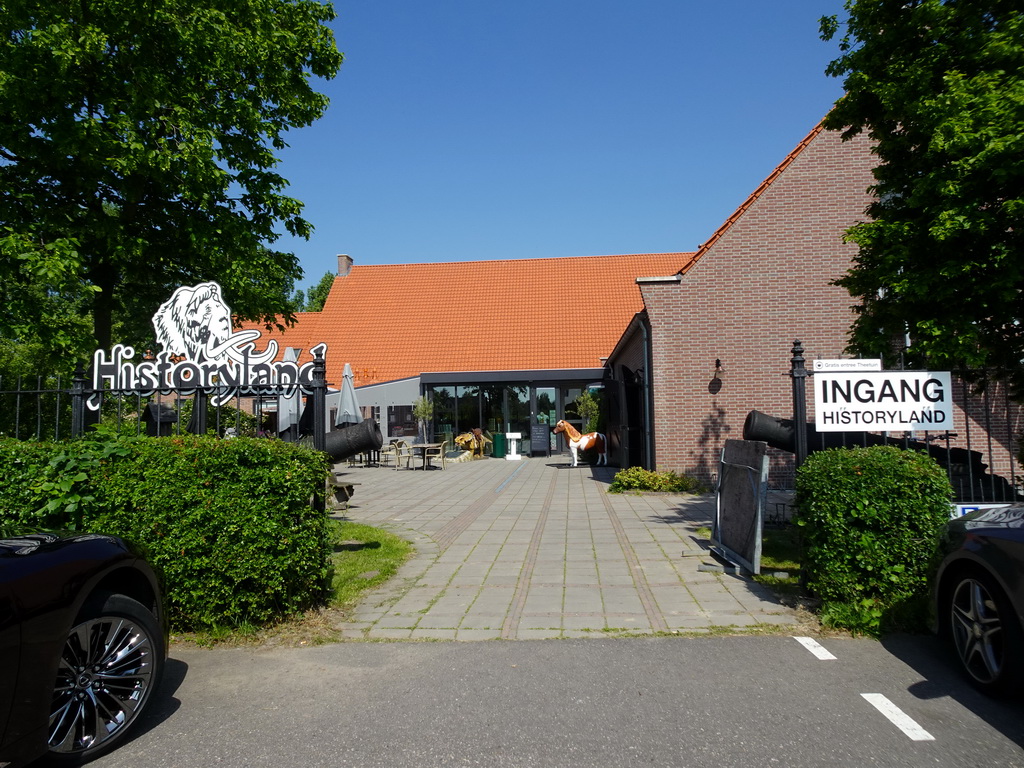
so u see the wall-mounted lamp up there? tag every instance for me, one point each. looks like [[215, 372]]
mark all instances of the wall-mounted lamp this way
[[715, 385]]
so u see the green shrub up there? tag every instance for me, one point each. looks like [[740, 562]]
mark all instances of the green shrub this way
[[588, 407], [640, 479], [871, 520], [52, 484], [227, 523]]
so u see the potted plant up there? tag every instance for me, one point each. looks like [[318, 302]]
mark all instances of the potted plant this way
[[423, 412]]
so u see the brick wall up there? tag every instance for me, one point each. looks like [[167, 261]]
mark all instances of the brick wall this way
[[762, 283]]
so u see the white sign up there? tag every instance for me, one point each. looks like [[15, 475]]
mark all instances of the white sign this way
[[837, 366], [200, 351], [883, 401], [959, 510]]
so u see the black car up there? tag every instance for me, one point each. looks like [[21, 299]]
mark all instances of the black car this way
[[979, 596], [83, 643]]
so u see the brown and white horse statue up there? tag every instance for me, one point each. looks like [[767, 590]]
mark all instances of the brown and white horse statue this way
[[592, 441]]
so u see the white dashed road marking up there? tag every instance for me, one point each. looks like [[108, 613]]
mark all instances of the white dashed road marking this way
[[898, 717], [814, 647]]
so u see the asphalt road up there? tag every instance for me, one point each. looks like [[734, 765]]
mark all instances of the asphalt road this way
[[711, 701]]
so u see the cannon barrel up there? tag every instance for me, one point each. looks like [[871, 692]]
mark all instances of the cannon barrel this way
[[779, 433], [348, 441]]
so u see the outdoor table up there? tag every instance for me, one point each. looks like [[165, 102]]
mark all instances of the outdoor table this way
[[420, 449]]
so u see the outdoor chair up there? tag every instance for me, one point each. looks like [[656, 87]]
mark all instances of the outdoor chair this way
[[435, 453], [387, 452], [402, 451]]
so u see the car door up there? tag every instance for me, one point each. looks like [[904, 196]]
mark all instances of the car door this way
[[10, 647]]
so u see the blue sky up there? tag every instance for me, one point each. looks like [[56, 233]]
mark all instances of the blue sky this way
[[463, 130]]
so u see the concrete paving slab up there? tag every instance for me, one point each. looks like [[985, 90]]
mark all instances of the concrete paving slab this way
[[537, 549]]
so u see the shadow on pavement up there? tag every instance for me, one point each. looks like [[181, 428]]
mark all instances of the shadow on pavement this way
[[164, 703], [927, 655]]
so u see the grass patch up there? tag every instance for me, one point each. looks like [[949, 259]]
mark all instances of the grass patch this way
[[780, 548], [363, 558], [780, 553]]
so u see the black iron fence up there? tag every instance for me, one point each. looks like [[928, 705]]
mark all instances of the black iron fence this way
[[980, 455], [54, 408]]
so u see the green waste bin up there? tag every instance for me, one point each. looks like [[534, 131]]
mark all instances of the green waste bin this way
[[498, 449]]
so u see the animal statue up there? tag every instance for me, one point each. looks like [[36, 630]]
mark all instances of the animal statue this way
[[473, 441], [594, 441], [481, 440]]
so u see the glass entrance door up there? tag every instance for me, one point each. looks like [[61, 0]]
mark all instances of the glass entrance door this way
[[569, 395], [544, 417]]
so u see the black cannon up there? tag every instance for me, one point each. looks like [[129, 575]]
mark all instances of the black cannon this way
[[781, 434], [346, 442]]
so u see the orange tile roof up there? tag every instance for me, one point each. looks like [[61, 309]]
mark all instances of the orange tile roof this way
[[396, 321]]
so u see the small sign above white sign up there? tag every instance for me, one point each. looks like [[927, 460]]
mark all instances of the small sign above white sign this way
[[844, 365]]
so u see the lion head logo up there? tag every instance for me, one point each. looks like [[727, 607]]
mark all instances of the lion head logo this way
[[196, 323]]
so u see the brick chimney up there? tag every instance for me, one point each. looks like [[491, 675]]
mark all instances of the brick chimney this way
[[344, 264]]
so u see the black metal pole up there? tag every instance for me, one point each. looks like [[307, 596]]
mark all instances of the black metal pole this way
[[319, 398], [799, 374], [319, 402], [197, 424], [78, 407]]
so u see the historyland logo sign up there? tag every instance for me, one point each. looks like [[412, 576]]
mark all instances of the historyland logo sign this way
[[200, 352], [883, 401]]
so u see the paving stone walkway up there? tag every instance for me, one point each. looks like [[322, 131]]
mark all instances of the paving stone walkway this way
[[538, 549]]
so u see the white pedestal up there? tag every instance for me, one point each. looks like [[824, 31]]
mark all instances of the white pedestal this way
[[513, 438]]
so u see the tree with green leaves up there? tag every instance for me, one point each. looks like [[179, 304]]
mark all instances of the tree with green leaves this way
[[423, 412], [137, 154], [938, 86], [588, 407], [316, 298]]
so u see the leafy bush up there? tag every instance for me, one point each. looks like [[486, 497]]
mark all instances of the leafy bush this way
[[589, 409], [52, 484], [871, 520], [227, 523], [640, 479]]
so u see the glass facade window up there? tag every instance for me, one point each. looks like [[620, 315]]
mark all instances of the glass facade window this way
[[517, 410], [546, 414], [468, 416], [498, 408], [570, 394], [493, 408], [444, 411], [400, 421]]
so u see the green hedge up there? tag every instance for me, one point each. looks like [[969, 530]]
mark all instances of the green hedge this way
[[640, 479], [227, 523], [871, 519]]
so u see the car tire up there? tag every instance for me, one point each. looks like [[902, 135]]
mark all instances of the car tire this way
[[984, 632], [111, 663]]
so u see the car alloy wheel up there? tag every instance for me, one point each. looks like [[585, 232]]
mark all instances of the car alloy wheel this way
[[111, 661], [979, 626]]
